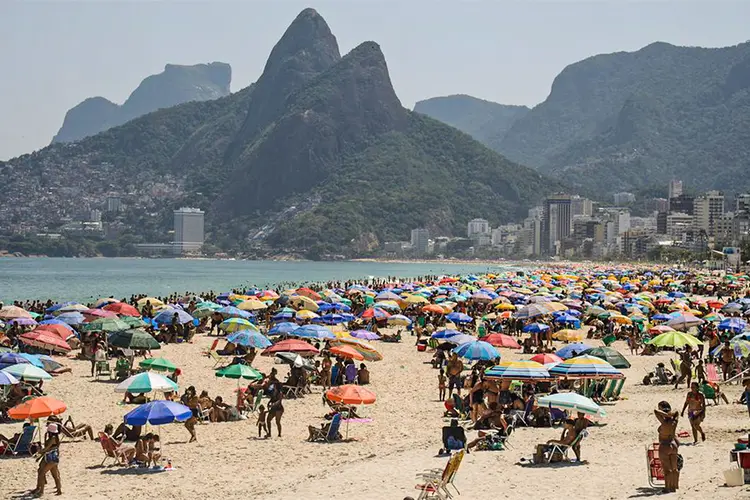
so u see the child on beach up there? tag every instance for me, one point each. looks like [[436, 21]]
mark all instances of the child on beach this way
[[441, 384], [700, 372], [262, 427]]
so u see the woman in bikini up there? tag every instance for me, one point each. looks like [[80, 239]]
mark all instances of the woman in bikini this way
[[668, 445], [695, 403], [275, 410]]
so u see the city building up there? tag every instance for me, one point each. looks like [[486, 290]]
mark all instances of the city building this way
[[678, 225], [188, 230], [95, 215], [114, 204], [557, 223], [581, 207], [624, 199], [682, 204], [742, 203], [478, 227], [707, 211], [420, 240], [656, 204], [675, 188]]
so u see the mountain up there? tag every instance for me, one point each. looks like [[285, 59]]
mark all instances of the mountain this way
[[175, 85], [486, 121], [624, 121], [316, 156]]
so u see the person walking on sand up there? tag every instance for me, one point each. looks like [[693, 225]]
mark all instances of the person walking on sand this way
[[695, 403], [454, 367], [686, 367], [49, 460], [668, 445]]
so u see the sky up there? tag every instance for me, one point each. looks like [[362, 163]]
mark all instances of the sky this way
[[55, 54]]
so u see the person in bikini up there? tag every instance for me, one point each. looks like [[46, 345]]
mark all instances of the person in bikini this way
[[668, 445], [695, 403]]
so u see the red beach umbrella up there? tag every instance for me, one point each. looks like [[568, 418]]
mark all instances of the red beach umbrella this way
[[122, 309], [44, 339], [502, 340], [290, 345]]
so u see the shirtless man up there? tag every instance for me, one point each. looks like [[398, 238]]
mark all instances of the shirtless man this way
[[695, 403], [686, 366], [454, 368], [727, 359]]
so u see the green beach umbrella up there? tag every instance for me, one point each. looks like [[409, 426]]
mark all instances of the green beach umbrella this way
[[146, 382], [240, 371], [27, 372], [133, 322], [134, 339], [106, 325], [611, 356], [158, 364]]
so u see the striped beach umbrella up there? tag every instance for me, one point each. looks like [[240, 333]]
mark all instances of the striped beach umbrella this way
[[313, 332], [518, 370], [232, 325], [573, 402], [585, 367], [249, 338], [477, 350], [146, 382]]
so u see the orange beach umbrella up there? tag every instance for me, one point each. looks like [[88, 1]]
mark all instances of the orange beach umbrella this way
[[351, 395], [37, 408]]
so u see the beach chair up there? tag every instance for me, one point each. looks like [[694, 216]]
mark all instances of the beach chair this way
[[212, 348], [524, 417], [22, 446], [101, 368], [458, 405], [607, 394], [256, 402], [609, 339], [437, 481], [653, 466], [712, 373], [562, 450], [203, 415], [331, 434], [111, 450], [432, 343], [219, 362], [618, 389], [709, 392]]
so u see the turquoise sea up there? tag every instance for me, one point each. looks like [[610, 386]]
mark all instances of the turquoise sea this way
[[88, 279]]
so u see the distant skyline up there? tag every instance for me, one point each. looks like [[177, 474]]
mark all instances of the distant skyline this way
[[56, 53]]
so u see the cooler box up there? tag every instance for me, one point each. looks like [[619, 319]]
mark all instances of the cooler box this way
[[421, 347]]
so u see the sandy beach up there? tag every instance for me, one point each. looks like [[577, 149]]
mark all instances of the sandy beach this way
[[228, 461]]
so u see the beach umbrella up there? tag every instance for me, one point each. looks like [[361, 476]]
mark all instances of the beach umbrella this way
[[71, 307], [36, 408], [572, 350], [308, 293], [239, 371], [684, 322], [375, 312], [364, 334], [518, 370], [11, 312], [304, 303], [153, 300], [365, 349], [533, 311], [157, 413], [158, 364], [674, 339], [203, 312], [106, 325], [293, 359], [734, 325], [573, 402], [251, 305], [584, 366], [387, 295], [249, 338], [234, 312], [306, 315], [291, 345], [459, 318], [146, 382], [460, 339], [133, 339], [283, 328], [611, 356], [7, 378], [122, 309], [133, 322], [501, 340], [232, 325], [536, 328], [71, 318], [345, 351], [416, 299], [165, 317], [27, 372], [12, 358], [660, 329], [477, 350], [44, 339], [434, 308], [570, 335], [92, 314], [546, 358], [104, 301], [350, 394], [313, 332], [23, 322], [399, 320], [445, 334]]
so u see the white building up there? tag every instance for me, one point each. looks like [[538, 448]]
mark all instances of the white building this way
[[708, 210], [478, 227], [581, 207], [678, 224], [675, 188], [188, 230], [622, 199]]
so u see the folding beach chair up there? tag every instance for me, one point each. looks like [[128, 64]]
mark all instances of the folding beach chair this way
[[111, 450], [562, 450], [332, 434], [437, 481], [218, 360], [22, 446], [653, 466], [618, 389], [524, 417], [712, 373]]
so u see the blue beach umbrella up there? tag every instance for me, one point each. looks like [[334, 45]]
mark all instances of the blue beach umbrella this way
[[283, 328], [313, 332], [461, 339], [732, 324], [165, 317], [72, 318], [157, 413], [477, 350], [536, 328], [444, 334], [249, 338], [569, 350], [585, 366], [7, 378], [457, 317]]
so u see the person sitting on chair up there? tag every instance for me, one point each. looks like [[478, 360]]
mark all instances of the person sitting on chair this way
[[454, 437], [568, 436]]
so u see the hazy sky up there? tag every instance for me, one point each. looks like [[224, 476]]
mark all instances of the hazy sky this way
[[54, 54]]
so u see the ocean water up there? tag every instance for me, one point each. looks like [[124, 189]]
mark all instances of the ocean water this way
[[88, 279]]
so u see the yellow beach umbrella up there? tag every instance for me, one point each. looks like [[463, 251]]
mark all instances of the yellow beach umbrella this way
[[251, 305]]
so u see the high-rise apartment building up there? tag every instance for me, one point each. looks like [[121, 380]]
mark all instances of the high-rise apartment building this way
[[675, 188], [478, 227], [420, 240], [188, 230], [557, 222], [707, 211]]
